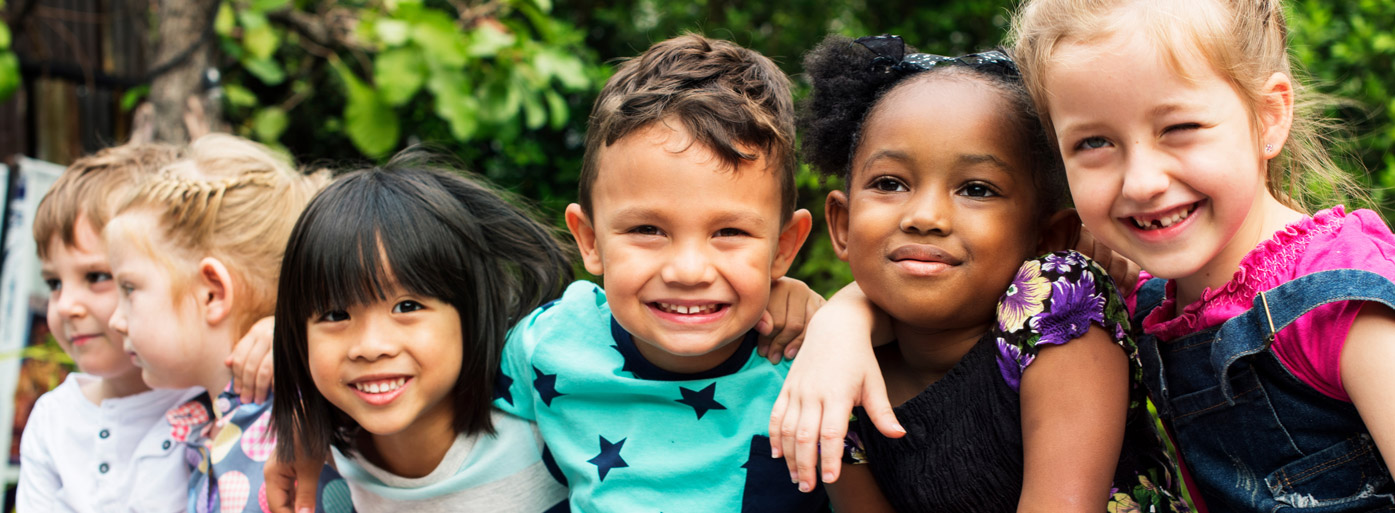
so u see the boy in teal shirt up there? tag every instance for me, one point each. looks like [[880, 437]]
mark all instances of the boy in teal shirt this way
[[649, 392]]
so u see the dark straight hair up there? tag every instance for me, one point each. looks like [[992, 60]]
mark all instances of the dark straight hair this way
[[431, 232]]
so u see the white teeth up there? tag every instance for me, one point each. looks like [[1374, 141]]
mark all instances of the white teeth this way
[[380, 387], [1163, 222], [685, 310]]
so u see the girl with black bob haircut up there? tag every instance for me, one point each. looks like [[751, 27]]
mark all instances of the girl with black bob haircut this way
[[1009, 362], [398, 286]]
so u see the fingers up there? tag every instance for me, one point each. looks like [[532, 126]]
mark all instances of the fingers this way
[[777, 417], [878, 408], [248, 358], [831, 434], [787, 443], [265, 378], [764, 327], [814, 303], [308, 474], [237, 362], [806, 452], [778, 310], [280, 486]]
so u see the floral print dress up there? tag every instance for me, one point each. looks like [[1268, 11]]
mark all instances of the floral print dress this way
[[963, 448]]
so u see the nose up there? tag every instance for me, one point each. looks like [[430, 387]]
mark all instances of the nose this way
[[118, 320], [927, 212], [69, 303], [1145, 176], [375, 342], [689, 264]]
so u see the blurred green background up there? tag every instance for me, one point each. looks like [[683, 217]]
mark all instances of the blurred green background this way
[[506, 85]]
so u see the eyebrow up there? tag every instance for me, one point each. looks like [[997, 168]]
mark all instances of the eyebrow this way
[[636, 214], [896, 155], [983, 158]]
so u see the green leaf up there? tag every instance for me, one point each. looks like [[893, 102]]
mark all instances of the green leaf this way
[[260, 41], [533, 113], [9, 74], [488, 39], [269, 5], [566, 68], [4, 36], [226, 20], [269, 124], [266, 70], [500, 100], [398, 74], [392, 32], [441, 40], [557, 106], [454, 102], [238, 96], [252, 19], [132, 96], [369, 121]]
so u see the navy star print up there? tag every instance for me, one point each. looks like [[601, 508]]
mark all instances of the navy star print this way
[[546, 385], [501, 388], [701, 400], [609, 457]]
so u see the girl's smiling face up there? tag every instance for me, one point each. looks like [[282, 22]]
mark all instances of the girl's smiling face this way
[[1167, 170], [390, 364], [940, 209]]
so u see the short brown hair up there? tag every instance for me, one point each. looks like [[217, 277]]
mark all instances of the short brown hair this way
[[725, 95], [93, 187]]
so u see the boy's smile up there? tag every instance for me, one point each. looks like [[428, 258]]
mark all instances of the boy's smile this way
[[687, 246]]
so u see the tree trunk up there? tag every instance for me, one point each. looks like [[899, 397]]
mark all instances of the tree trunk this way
[[182, 24]]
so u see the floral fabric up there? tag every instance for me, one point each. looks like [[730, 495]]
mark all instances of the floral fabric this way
[[1053, 300]]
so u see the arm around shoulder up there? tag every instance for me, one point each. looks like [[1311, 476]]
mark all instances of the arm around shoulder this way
[[1368, 373]]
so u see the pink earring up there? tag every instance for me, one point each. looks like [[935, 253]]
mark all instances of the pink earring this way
[[1268, 148]]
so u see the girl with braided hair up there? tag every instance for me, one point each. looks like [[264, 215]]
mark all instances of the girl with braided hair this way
[[195, 253], [1011, 366]]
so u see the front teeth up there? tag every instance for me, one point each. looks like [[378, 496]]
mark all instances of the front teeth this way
[[1164, 222], [380, 387], [681, 309]]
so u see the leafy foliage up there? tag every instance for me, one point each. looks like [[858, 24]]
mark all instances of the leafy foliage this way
[[9, 64]]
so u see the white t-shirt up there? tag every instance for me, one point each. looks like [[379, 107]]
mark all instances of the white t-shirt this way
[[503, 472], [114, 457]]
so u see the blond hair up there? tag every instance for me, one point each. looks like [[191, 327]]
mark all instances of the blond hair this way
[[92, 187], [1244, 41], [231, 199]]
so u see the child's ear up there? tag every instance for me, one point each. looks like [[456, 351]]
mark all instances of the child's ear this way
[[835, 211], [1061, 232], [792, 237], [215, 290], [1276, 114], [585, 234]]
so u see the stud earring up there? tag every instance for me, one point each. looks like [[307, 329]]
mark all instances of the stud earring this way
[[1268, 148]]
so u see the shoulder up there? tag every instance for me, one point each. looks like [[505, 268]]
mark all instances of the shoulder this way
[[1054, 299], [1355, 240], [583, 302]]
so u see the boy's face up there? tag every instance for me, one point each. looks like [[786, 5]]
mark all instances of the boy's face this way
[[81, 300], [687, 246]]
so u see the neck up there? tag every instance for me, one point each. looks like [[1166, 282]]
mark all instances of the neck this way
[[683, 364], [930, 353], [415, 451], [215, 375], [124, 385], [1265, 218]]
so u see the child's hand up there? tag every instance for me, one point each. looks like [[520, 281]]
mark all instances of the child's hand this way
[[791, 305], [1122, 270], [282, 494], [250, 362], [836, 371]]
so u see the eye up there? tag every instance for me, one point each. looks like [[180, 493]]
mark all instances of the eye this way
[[645, 229], [126, 288], [98, 276], [731, 232], [1092, 143], [888, 184], [978, 190], [1182, 127], [407, 306], [54, 284], [334, 316]]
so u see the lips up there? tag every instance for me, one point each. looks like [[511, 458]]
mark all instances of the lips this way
[[379, 390], [79, 340], [923, 259], [689, 311], [1163, 218]]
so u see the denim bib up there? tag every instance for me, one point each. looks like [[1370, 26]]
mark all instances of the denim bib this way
[[1253, 436]]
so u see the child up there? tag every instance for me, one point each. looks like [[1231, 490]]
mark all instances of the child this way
[[1271, 366], [949, 189], [649, 392], [398, 285], [100, 441], [1173, 119], [195, 254]]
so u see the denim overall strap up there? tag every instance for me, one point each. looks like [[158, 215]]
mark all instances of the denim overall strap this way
[[1149, 295], [1275, 309]]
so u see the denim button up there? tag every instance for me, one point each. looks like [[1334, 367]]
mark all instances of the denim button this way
[[165, 445], [103, 468], [103, 434]]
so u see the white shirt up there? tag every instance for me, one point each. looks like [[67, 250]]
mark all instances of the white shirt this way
[[114, 457], [503, 472]]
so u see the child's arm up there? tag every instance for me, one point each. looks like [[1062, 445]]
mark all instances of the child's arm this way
[[1368, 374], [857, 492], [1071, 444], [250, 362], [281, 479], [792, 304], [835, 371]]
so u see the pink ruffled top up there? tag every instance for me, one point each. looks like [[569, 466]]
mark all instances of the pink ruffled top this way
[[1311, 347]]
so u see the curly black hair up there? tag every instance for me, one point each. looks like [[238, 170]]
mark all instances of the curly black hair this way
[[849, 80]]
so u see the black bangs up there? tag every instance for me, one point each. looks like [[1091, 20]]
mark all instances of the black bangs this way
[[369, 231]]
